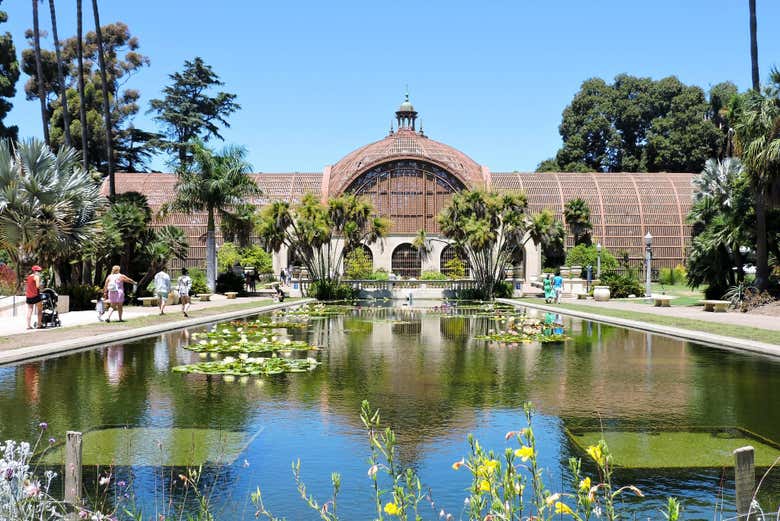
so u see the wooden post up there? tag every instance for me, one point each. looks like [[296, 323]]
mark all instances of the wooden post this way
[[744, 479], [73, 468]]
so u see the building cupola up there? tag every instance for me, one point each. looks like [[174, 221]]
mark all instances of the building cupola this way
[[406, 116]]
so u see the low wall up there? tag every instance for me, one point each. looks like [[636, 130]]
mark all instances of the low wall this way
[[417, 289]]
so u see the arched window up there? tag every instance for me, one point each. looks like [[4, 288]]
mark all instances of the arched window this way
[[448, 254], [406, 261]]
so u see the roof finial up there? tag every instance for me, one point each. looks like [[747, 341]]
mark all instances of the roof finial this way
[[391, 127], [407, 92], [421, 128]]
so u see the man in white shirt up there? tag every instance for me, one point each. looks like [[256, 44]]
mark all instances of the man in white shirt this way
[[162, 287]]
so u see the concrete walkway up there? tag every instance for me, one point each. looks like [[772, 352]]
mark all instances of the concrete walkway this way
[[85, 335], [734, 318], [726, 342]]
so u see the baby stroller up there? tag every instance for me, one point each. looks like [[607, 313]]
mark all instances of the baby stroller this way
[[49, 300]]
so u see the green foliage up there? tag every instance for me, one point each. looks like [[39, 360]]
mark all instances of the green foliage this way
[[230, 281], [673, 276], [588, 256], [228, 256], [576, 213], [309, 230], [81, 295], [9, 75], [455, 268], [357, 264], [636, 124], [491, 229], [553, 247], [501, 289], [198, 277], [432, 275], [621, 285], [132, 147], [330, 289], [379, 274], [187, 111], [48, 205], [255, 256]]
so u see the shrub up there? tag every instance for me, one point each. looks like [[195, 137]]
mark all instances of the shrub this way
[[502, 289], [587, 255], [455, 268], [230, 281], [199, 285], [672, 276], [379, 274], [357, 264], [227, 256], [621, 286], [432, 275], [328, 289], [7, 280], [81, 295], [258, 258]]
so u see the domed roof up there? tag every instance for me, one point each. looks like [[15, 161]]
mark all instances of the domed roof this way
[[406, 106], [404, 144]]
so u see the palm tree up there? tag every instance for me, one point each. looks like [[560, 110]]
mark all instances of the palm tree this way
[[39, 71], [754, 46], [576, 213], [758, 137], [212, 182], [165, 244], [80, 58], [60, 75], [48, 204], [237, 226], [106, 108]]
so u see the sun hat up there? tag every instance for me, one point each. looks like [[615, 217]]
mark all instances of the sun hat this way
[[37, 268]]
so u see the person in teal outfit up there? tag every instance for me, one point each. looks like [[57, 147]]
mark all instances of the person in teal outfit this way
[[549, 293]]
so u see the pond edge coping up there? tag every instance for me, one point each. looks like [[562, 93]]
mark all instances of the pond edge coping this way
[[42, 350], [720, 341]]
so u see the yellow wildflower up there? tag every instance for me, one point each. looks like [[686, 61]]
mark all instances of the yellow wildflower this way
[[562, 508], [585, 484], [484, 485], [391, 509], [594, 451], [524, 453]]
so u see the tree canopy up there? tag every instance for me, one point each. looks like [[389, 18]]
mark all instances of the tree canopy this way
[[188, 111], [133, 147], [9, 75], [640, 124]]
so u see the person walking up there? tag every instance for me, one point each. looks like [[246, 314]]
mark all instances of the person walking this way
[[114, 291], [549, 294], [558, 286], [283, 276], [162, 287], [33, 297], [184, 286]]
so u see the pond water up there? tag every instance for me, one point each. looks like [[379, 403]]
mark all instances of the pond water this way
[[434, 384]]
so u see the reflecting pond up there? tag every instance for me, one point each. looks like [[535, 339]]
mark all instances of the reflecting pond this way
[[434, 384]]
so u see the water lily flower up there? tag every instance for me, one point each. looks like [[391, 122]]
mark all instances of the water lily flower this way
[[229, 359], [32, 489], [203, 355], [524, 453], [243, 356], [229, 378], [391, 509], [105, 480]]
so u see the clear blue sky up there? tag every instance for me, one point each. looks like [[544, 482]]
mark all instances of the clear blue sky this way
[[318, 79]]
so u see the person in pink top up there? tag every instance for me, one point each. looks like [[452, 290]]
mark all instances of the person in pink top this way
[[114, 291]]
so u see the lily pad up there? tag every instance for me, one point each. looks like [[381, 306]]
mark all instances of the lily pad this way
[[147, 446], [230, 366]]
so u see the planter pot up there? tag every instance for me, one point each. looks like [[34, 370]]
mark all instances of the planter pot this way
[[565, 273], [601, 293], [575, 271]]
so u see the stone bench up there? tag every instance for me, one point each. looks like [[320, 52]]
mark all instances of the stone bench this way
[[717, 306], [148, 301], [204, 297], [582, 296], [662, 301], [267, 292], [230, 295]]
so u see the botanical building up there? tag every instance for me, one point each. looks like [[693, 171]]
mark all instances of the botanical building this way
[[410, 178]]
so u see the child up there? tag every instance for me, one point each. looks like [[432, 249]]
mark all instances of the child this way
[[100, 307]]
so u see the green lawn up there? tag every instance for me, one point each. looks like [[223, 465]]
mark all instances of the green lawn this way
[[715, 328], [685, 295]]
